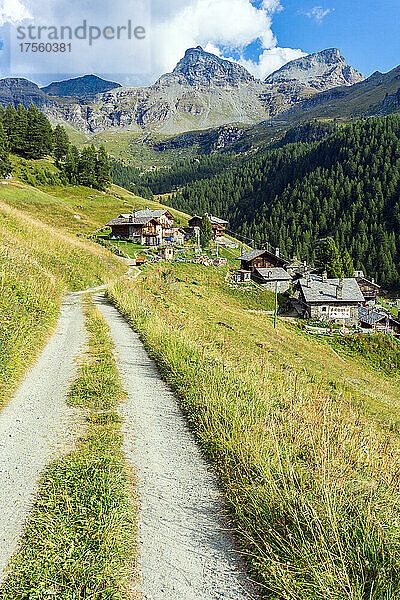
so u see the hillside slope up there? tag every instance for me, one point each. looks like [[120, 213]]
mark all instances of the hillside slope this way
[[39, 263], [346, 186], [305, 442]]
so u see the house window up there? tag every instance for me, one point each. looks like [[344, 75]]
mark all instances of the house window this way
[[324, 309]]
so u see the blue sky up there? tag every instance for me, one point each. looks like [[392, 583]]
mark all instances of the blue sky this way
[[261, 34], [366, 31]]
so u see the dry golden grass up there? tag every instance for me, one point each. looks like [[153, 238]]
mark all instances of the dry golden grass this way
[[38, 264]]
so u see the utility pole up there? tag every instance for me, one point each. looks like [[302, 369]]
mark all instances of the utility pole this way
[[198, 239], [276, 305]]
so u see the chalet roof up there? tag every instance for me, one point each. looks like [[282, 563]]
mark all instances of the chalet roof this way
[[130, 220], [362, 278], [274, 274], [213, 220], [217, 220], [147, 212], [370, 317], [322, 292], [251, 254]]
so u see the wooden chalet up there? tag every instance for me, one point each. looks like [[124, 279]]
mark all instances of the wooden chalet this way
[[369, 289], [261, 259], [147, 227], [218, 225], [142, 230]]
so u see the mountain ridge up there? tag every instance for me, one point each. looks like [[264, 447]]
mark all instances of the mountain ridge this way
[[320, 70], [205, 91], [85, 86]]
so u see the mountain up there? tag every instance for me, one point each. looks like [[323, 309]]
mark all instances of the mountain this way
[[80, 87], [375, 95], [200, 69], [205, 91], [16, 91], [321, 71]]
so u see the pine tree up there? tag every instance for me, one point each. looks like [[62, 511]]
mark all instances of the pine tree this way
[[206, 232], [347, 265], [87, 167], [20, 131], [329, 258], [60, 143], [102, 169]]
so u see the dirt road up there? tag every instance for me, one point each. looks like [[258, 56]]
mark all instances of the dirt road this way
[[37, 426], [185, 549]]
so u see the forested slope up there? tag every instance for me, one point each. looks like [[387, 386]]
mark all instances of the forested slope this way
[[346, 186]]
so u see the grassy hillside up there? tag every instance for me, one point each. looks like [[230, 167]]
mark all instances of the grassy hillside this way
[[41, 256], [305, 441], [75, 208]]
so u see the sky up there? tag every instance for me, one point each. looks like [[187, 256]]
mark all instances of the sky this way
[[262, 35]]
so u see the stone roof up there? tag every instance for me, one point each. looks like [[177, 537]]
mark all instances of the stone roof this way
[[370, 317], [146, 212], [217, 220], [129, 220], [322, 292], [251, 254], [213, 220], [273, 274]]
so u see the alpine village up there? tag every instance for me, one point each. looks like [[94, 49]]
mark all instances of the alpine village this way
[[200, 334]]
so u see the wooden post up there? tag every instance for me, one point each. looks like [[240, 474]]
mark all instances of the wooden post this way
[[276, 305]]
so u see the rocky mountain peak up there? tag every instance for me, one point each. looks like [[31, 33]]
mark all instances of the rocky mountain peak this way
[[16, 90], [199, 68], [322, 71], [80, 87]]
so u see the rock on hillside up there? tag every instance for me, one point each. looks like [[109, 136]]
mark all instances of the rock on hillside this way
[[80, 87], [321, 71]]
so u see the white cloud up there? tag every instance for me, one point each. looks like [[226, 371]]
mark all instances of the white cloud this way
[[318, 13], [215, 24], [13, 11], [224, 27]]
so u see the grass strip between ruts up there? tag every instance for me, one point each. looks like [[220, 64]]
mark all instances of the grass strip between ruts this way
[[80, 539]]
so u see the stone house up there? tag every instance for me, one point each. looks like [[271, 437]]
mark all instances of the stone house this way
[[270, 277], [329, 300]]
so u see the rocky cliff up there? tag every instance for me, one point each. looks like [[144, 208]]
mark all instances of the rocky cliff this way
[[205, 91]]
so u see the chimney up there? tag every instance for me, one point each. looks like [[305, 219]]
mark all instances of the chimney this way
[[308, 280], [373, 280], [277, 252], [339, 290], [324, 277]]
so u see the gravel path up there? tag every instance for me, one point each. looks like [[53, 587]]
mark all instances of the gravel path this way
[[185, 552], [37, 426]]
